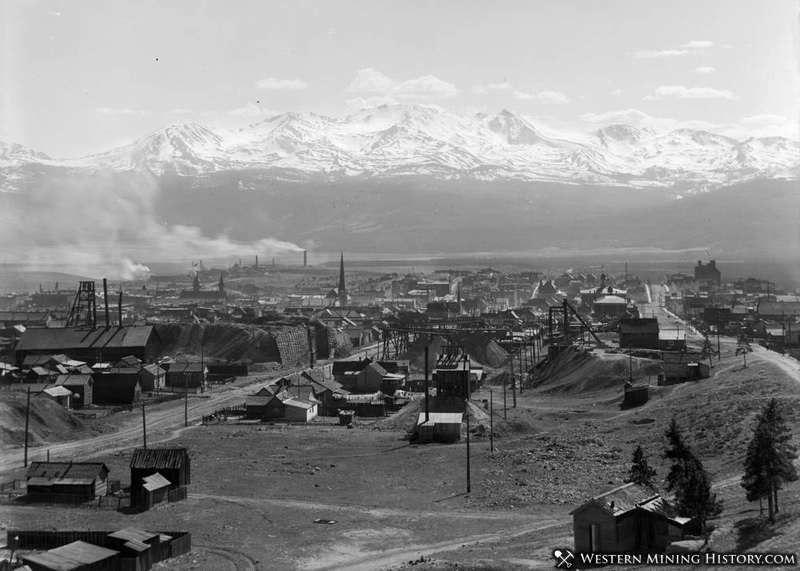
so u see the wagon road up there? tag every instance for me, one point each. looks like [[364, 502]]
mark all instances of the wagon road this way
[[164, 422]]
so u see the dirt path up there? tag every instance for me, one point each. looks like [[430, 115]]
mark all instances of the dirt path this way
[[164, 422], [371, 561]]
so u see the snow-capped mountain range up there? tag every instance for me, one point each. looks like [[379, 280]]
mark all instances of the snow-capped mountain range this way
[[400, 140]]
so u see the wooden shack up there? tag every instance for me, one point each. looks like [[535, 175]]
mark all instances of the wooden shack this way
[[638, 333], [75, 556], [635, 395], [439, 427], [70, 482], [191, 375], [625, 519], [172, 463], [264, 407], [81, 387], [117, 386]]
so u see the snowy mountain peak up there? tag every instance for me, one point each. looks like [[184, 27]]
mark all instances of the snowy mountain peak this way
[[427, 140]]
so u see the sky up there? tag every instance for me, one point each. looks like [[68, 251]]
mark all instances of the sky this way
[[79, 77]]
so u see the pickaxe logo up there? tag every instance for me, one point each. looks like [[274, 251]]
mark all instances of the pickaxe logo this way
[[564, 558]]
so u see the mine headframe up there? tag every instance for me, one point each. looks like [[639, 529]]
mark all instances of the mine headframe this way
[[564, 325], [84, 309]]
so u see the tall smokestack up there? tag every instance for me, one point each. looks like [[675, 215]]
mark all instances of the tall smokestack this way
[[120, 307], [105, 298], [305, 258], [256, 260]]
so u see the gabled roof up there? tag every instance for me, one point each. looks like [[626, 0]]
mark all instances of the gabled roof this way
[[159, 458], [260, 400], [71, 339], [342, 367], [49, 473], [620, 500], [638, 326]]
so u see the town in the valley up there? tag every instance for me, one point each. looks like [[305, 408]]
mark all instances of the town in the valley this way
[[341, 416]]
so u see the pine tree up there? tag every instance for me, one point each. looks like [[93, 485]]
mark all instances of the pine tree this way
[[641, 473], [743, 347], [769, 462], [689, 481], [707, 351]]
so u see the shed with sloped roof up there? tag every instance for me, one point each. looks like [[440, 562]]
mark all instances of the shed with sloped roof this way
[[67, 481], [172, 463]]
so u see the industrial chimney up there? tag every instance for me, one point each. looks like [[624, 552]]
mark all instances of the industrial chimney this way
[[256, 260], [305, 258], [105, 298]]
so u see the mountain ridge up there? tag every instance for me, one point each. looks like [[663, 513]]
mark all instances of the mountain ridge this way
[[403, 140]]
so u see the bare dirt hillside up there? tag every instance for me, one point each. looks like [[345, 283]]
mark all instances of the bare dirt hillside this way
[[578, 371], [49, 422]]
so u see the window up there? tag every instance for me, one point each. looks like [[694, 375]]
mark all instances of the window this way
[[594, 538]]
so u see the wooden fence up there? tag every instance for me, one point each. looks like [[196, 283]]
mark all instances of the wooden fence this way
[[233, 410]]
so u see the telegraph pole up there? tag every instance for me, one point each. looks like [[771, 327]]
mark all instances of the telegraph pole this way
[[505, 401], [144, 428], [491, 420], [185, 400], [27, 419], [469, 488]]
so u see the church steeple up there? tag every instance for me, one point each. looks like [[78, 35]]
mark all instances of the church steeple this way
[[342, 288]]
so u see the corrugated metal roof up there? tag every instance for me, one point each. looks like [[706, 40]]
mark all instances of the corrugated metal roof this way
[[158, 458], [67, 339], [71, 556]]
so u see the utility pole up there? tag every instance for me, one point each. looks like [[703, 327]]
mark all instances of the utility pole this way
[[27, 419], [514, 390], [630, 364], [719, 351], [144, 428], [491, 420], [185, 399], [505, 401], [427, 389], [469, 488]]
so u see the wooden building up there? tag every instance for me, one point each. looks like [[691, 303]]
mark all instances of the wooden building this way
[[67, 481], [363, 376], [75, 556], [638, 333], [92, 345], [81, 387], [626, 519], [300, 409], [172, 463], [439, 427], [191, 375], [264, 407], [117, 386]]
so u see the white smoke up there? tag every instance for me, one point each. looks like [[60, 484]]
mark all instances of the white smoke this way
[[105, 225]]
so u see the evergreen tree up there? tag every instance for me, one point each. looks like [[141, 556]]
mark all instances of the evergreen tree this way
[[641, 473], [743, 347], [769, 462], [689, 481], [707, 351]]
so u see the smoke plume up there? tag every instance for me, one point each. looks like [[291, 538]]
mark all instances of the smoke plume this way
[[106, 224]]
